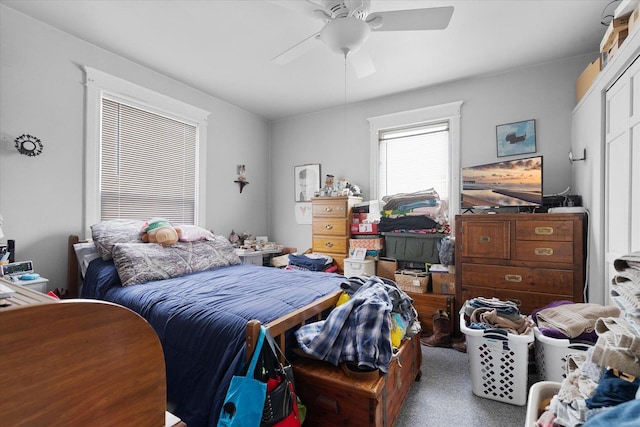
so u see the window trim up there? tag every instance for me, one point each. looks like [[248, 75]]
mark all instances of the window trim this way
[[445, 112], [99, 83]]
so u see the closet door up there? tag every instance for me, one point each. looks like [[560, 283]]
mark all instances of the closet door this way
[[622, 168]]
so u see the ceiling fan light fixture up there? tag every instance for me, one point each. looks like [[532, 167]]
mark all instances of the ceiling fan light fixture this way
[[345, 35]]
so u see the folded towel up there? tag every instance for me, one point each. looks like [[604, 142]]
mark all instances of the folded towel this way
[[575, 319]]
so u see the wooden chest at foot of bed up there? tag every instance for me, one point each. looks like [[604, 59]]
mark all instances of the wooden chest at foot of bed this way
[[334, 399]]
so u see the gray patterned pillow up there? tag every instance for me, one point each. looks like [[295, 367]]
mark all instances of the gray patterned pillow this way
[[144, 262], [108, 233]]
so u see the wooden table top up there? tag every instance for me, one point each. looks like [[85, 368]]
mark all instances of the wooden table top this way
[[23, 296]]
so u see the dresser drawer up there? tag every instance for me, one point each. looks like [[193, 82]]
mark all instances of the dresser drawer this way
[[330, 227], [552, 281], [337, 245], [558, 231], [330, 208], [486, 239], [545, 251]]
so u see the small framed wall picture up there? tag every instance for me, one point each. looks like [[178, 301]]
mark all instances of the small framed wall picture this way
[[306, 182], [516, 138]]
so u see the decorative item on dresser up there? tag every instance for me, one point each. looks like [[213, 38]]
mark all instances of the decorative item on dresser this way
[[532, 258], [330, 226]]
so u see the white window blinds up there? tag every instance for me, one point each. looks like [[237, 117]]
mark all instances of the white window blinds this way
[[148, 165], [413, 159]]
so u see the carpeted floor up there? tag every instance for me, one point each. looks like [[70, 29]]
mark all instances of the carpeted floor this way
[[443, 396]]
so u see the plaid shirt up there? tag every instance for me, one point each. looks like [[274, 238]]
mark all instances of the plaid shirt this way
[[356, 331]]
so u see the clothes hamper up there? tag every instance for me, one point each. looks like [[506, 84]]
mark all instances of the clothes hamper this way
[[498, 362], [552, 353], [538, 393]]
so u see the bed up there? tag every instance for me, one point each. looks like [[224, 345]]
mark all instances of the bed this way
[[207, 320]]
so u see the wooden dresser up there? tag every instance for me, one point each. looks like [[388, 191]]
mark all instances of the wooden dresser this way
[[534, 258], [330, 227]]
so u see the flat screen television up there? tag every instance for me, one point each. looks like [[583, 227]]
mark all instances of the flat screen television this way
[[508, 183]]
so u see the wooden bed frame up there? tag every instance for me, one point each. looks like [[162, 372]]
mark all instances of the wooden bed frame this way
[[277, 328], [79, 362]]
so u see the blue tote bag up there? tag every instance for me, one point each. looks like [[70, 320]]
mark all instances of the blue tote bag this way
[[245, 398]]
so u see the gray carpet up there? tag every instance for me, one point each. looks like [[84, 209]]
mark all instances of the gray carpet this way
[[443, 396]]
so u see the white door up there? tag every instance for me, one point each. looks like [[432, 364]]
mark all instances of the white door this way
[[622, 169]]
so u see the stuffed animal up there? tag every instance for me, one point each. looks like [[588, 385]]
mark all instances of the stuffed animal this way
[[159, 230]]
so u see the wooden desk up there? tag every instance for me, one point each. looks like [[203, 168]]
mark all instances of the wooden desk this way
[[23, 296]]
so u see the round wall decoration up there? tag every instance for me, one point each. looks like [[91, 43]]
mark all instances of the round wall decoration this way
[[29, 145]]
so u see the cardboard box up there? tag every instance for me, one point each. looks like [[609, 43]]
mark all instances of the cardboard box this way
[[615, 26], [586, 78], [617, 42], [443, 283], [387, 268]]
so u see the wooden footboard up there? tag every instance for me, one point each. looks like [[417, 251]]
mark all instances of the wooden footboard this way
[[277, 328], [79, 363]]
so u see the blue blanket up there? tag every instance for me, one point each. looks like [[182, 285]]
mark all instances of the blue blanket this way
[[201, 319]]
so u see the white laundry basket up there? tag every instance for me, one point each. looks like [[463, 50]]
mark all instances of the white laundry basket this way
[[551, 355], [539, 393], [498, 362]]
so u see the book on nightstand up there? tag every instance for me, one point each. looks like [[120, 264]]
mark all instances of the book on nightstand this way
[[6, 292]]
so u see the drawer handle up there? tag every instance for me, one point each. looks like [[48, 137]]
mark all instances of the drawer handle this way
[[543, 251], [513, 278], [485, 239], [329, 244], [543, 230], [328, 209], [329, 226]]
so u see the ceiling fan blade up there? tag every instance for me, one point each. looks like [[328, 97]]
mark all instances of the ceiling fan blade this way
[[435, 18], [361, 63], [305, 7], [297, 50]]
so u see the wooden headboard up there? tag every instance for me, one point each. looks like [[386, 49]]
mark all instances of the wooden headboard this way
[[79, 362]]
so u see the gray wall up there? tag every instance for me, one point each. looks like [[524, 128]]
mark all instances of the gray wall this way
[[545, 93], [42, 94]]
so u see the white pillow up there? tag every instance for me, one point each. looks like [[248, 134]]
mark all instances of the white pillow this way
[[85, 253]]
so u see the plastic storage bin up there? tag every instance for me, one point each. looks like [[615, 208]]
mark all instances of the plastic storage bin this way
[[551, 355], [499, 363], [538, 393], [356, 267]]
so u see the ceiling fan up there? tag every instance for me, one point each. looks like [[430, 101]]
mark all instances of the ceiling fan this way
[[348, 23]]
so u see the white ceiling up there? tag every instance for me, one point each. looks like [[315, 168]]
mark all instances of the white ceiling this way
[[224, 47]]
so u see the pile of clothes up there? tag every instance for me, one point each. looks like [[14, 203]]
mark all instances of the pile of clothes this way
[[493, 313], [311, 262], [418, 212], [365, 328], [602, 386]]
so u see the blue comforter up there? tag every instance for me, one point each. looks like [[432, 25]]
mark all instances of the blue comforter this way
[[201, 319]]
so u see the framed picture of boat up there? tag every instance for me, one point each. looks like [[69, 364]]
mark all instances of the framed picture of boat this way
[[516, 138]]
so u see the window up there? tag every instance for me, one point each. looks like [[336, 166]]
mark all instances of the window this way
[[145, 154], [417, 150], [148, 165], [403, 152]]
